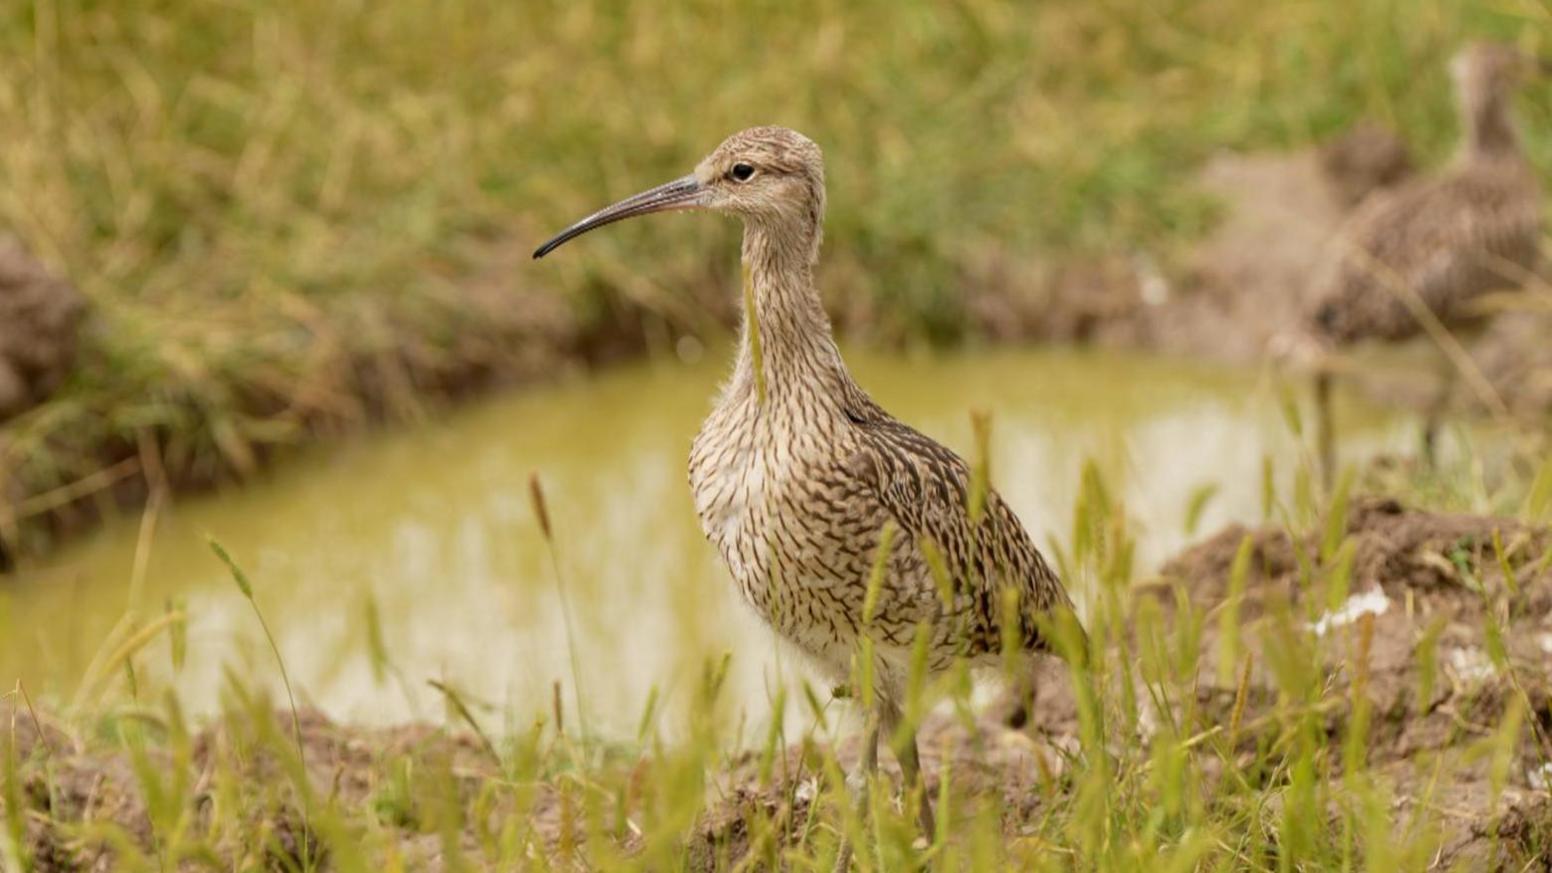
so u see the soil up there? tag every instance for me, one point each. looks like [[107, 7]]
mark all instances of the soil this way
[[39, 317], [1368, 156], [1224, 299], [1431, 582], [1239, 294]]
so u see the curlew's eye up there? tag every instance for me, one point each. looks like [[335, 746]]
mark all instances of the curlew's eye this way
[[741, 172]]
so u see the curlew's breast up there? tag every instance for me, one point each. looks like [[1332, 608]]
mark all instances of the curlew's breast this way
[[728, 477], [794, 538]]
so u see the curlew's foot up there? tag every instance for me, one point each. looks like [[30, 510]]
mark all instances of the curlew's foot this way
[[857, 787], [926, 819], [857, 794]]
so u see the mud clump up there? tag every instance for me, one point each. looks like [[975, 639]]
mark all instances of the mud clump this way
[[1366, 157], [40, 315], [79, 804], [1432, 556]]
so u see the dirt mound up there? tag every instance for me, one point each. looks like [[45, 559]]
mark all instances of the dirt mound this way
[[1366, 157], [39, 317], [1448, 626], [65, 787], [71, 795], [1442, 561]]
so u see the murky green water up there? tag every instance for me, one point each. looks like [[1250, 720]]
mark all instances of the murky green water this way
[[432, 525]]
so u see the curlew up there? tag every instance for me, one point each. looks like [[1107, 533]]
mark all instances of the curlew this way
[[1420, 257], [797, 473]]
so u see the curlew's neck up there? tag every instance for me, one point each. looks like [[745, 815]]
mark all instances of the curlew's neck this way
[[1490, 131], [785, 329]]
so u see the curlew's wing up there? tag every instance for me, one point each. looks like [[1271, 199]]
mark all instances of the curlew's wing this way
[[925, 488]]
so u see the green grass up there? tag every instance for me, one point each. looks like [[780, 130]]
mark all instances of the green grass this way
[[274, 208]]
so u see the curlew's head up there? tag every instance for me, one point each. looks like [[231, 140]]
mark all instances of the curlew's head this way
[[770, 176], [1484, 69], [1486, 75]]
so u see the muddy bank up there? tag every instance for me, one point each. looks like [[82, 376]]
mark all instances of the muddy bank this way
[[1226, 295], [1239, 292], [407, 361], [1447, 627], [39, 317], [1409, 651], [84, 806]]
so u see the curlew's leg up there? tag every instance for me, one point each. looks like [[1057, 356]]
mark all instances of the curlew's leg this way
[[1433, 417], [857, 785], [867, 766], [909, 755], [1325, 428], [884, 723], [1019, 707], [910, 767]]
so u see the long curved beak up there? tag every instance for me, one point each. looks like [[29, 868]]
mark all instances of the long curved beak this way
[[683, 193]]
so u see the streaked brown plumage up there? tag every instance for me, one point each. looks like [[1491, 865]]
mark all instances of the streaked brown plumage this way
[[1450, 237], [1443, 240], [797, 471]]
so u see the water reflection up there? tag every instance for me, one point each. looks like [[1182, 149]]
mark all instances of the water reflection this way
[[431, 527]]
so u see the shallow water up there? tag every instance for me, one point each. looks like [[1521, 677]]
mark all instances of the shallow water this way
[[431, 526]]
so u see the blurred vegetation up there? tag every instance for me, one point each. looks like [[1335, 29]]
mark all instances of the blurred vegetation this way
[[264, 200]]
